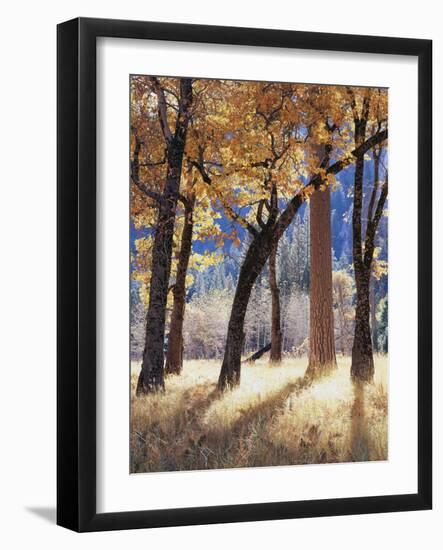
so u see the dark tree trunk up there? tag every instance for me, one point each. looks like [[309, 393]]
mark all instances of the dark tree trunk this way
[[275, 356], [151, 376], [373, 306], [321, 332], [362, 367], [362, 358], [255, 259], [174, 357]]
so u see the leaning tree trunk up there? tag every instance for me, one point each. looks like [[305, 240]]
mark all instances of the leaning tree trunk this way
[[255, 259], [174, 357], [321, 332], [276, 340], [151, 376]]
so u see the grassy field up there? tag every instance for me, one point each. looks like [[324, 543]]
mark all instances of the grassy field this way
[[273, 418]]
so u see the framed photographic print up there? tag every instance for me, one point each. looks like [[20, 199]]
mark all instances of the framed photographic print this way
[[244, 274]]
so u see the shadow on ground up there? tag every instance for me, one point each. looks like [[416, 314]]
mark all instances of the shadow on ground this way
[[359, 426]]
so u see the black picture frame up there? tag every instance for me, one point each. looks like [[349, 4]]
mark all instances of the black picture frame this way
[[76, 295]]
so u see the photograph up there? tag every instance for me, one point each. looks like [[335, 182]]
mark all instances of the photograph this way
[[221, 244], [258, 273]]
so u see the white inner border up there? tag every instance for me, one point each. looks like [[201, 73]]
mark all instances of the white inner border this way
[[116, 489]]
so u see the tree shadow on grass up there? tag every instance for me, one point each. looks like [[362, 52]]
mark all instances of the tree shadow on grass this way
[[266, 409], [174, 445], [240, 443], [359, 426], [200, 404], [194, 443]]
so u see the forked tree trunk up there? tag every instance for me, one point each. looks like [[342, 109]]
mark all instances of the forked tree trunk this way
[[362, 367], [276, 339], [151, 376], [174, 357], [321, 332]]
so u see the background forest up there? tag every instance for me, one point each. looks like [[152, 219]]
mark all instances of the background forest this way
[[211, 289], [259, 305]]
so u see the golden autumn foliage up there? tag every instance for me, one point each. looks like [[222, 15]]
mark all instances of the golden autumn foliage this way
[[246, 136], [249, 155]]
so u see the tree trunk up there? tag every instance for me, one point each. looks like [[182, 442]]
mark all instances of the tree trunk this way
[[174, 357], [362, 359], [321, 332], [362, 367], [275, 356], [342, 320], [151, 376], [372, 299], [255, 259]]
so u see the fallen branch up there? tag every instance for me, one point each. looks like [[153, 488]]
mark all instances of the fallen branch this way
[[258, 354]]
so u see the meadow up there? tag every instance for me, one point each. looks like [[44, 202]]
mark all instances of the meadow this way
[[275, 417]]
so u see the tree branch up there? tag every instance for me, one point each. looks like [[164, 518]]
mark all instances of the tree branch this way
[[373, 225], [315, 182], [162, 112], [376, 183], [135, 171], [231, 212], [259, 214], [149, 164], [148, 192]]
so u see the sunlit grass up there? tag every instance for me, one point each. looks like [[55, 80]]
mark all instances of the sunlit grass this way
[[273, 418]]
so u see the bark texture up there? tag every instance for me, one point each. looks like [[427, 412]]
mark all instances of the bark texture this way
[[253, 264], [362, 367], [151, 376], [321, 333], [276, 337], [174, 357]]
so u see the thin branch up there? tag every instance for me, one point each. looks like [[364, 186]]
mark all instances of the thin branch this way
[[148, 192], [381, 202], [231, 212], [373, 225], [259, 214], [135, 171], [152, 164], [376, 182], [351, 94]]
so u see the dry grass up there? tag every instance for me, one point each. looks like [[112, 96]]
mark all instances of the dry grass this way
[[274, 418]]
